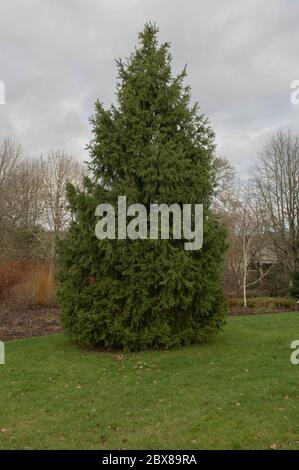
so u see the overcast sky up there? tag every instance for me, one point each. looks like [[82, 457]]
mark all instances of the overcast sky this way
[[57, 58]]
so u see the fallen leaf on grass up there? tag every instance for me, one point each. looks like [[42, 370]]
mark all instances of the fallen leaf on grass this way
[[119, 357]]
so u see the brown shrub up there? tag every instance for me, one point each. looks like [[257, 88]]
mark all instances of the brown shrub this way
[[44, 286], [19, 296], [12, 273], [24, 282]]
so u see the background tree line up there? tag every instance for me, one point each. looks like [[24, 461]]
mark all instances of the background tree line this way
[[261, 215], [33, 214]]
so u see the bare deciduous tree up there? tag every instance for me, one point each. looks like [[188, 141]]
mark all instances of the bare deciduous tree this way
[[276, 179], [56, 169], [247, 237], [27, 194], [224, 181], [10, 156]]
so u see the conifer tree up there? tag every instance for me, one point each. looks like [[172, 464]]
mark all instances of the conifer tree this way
[[152, 146]]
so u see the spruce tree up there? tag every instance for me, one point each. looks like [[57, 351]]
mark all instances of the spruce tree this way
[[152, 146]]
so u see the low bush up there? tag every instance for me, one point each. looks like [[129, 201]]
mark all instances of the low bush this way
[[263, 304], [20, 296], [25, 282], [12, 273], [44, 286]]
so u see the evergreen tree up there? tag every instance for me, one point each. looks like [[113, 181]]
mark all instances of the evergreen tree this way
[[153, 147]]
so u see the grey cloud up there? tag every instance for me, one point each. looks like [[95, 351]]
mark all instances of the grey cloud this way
[[57, 57]]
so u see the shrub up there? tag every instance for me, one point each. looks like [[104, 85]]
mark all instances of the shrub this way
[[264, 304], [19, 296], [12, 273], [25, 282], [295, 281], [44, 286]]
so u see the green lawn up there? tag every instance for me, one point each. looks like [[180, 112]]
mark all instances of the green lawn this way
[[240, 391]]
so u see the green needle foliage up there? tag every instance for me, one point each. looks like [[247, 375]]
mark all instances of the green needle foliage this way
[[153, 147]]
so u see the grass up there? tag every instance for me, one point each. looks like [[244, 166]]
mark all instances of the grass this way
[[238, 392]]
